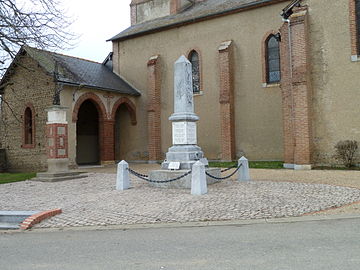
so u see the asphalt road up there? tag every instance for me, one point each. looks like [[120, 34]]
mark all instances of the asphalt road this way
[[330, 244]]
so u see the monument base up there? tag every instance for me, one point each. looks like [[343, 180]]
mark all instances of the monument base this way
[[187, 155], [58, 170], [185, 182], [58, 176]]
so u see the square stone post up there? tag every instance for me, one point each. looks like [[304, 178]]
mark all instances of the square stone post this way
[[243, 174], [57, 139], [198, 179], [122, 176]]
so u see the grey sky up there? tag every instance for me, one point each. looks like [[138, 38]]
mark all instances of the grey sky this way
[[96, 21]]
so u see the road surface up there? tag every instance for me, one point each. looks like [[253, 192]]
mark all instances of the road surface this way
[[329, 244]]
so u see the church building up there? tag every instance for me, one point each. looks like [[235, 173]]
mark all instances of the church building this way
[[272, 80]]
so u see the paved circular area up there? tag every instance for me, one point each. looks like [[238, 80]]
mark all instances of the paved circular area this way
[[94, 201]]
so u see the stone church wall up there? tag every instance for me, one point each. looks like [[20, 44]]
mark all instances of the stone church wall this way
[[146, 10], [30, 86], [258, 117], [335, 78]]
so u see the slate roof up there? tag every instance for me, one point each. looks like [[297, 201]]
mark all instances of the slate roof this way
[[199, 11], [78, 72]]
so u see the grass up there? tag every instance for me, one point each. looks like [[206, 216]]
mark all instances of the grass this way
[[15, 177], [336, 168], [252, 164]]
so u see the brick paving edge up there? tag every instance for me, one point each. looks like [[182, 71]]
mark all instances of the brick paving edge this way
[[37, 218]]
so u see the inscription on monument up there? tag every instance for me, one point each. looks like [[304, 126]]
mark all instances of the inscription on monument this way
[[184, 133]]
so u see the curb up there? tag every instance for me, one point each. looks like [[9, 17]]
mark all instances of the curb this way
[[198, 224], [37, 218]]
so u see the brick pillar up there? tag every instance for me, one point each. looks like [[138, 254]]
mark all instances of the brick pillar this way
[[107, 143], [353, 31], [154, 109], [57, 139], [296, 91], [287, 99], [227, 101]]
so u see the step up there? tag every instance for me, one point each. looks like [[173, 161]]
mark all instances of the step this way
[[12, 219], [9, 226]]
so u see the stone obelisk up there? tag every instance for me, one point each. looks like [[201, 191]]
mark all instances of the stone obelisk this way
[[184, 138]]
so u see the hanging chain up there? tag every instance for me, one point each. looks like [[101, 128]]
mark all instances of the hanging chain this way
[[146, 177], [226, 177], [227, 169]]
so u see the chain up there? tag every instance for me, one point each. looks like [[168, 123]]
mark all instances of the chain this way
[[145, 177], [226, 177], [227, 169]]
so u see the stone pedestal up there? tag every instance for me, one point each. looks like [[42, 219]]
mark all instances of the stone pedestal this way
[[57, 147]]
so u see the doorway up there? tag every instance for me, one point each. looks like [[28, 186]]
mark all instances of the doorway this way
[[87, 134]]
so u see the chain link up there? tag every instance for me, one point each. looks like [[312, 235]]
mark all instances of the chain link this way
[[146, 177], [228, 169], [226, 177]]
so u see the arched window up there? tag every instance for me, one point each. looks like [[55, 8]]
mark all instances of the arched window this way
[[29, 128], [195, 61], [272, 60]]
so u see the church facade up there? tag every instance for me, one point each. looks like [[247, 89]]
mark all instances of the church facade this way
[[266, 86]]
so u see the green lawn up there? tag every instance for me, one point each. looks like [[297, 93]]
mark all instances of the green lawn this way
[[15, 177], [336, 168], [252, 164]]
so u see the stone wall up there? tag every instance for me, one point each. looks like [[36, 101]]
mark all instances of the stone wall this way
[[334, 76], [145, 10], [31, 87], [3, 165]]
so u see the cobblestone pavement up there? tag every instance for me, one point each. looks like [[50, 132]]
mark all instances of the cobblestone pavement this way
[[94, 201]]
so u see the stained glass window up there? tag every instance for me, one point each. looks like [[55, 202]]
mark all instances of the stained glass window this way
[[194, 59], [273, 60]]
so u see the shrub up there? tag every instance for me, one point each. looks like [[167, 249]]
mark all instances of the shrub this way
[[345, 152]]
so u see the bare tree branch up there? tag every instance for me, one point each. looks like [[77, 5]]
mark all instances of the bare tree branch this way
[[5, 102], [37, 23]]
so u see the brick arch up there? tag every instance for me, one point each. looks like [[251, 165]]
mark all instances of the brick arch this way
[[97, 102], [130, 107], [264, 53]]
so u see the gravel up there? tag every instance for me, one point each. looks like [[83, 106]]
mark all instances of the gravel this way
[[271, 194]]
